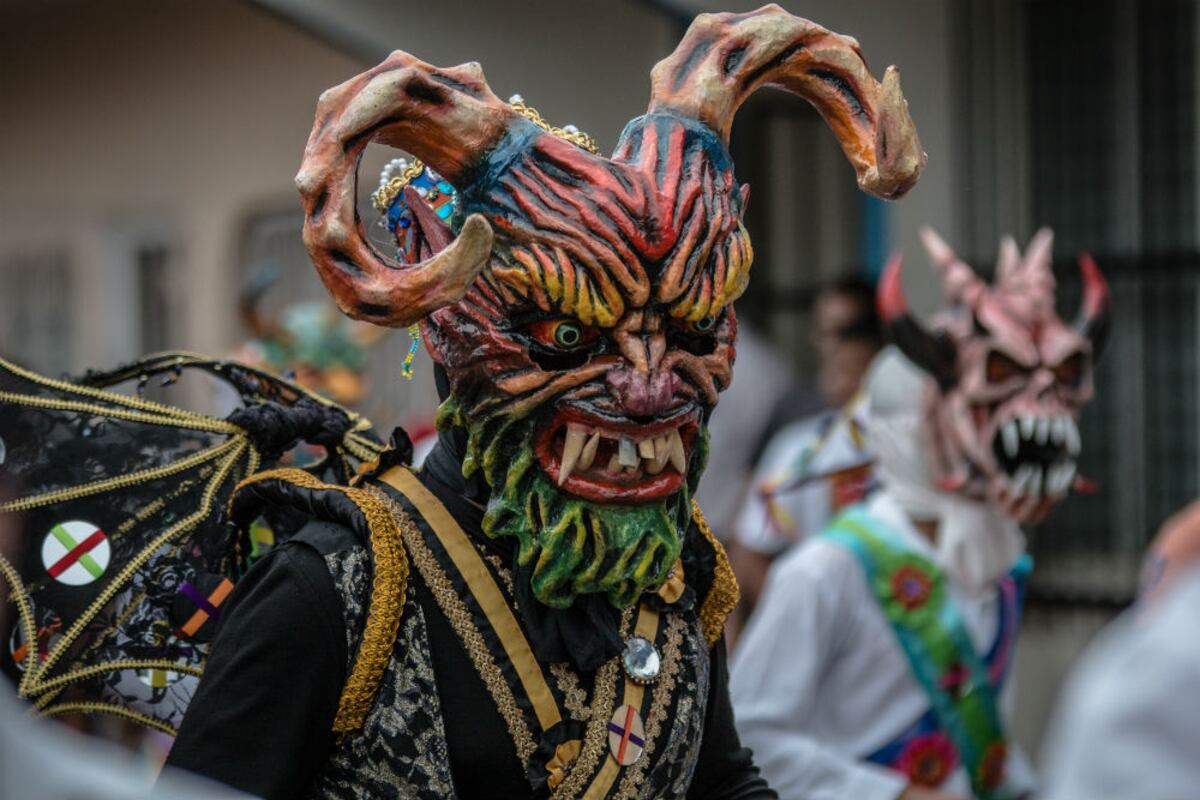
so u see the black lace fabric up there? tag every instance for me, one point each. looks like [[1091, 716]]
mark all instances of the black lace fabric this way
[[123, 555]]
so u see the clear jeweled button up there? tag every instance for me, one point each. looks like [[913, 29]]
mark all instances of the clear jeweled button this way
[[641, 660]]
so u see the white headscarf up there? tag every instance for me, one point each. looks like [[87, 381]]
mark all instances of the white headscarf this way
[[976, 545]]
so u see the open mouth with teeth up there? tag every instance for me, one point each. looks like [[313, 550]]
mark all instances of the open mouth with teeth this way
[[610, 461], [1037, 454]]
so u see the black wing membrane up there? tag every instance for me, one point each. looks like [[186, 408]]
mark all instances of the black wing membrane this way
[[123, 555]]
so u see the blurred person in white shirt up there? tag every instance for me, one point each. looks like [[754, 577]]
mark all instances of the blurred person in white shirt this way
[[817, 465], [876, 666], [1128, 722]]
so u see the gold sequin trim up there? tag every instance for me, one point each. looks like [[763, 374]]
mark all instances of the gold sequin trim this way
[[460, 620], [504, 573], [574, 696], [724, 595], [389, 587]]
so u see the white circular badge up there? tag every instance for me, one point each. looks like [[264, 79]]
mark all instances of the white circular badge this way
[[76, 552]]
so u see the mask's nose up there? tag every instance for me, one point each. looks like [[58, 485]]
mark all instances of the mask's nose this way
[[642, 395]]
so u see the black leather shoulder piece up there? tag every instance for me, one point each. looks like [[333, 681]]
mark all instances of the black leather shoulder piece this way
[[303, 500], [326, 537]]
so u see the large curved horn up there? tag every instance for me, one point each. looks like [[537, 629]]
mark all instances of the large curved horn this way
[[933, 352], [723, 58], [449, 119], [1095, 313]]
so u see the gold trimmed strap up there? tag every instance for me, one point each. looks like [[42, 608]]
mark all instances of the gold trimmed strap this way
[[389, 587], [485, 591], [635, 694], [724, 595]]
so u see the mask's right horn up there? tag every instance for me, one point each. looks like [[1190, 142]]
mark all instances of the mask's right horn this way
[[724, 58], [1095, 313]]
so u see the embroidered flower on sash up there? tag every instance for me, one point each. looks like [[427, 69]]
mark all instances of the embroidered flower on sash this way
[[912, 590], [911, 586], [990, 772], [927, 759]]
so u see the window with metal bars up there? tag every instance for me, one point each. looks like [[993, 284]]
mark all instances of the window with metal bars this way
[[36, 325], [1113, 127]]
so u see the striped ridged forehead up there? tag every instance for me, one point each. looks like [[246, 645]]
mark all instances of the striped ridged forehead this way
[[657, 224]]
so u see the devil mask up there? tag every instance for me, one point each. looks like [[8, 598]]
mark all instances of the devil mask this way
[[581, 305], [1010, 376]]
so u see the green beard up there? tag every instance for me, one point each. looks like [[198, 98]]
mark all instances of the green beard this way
[[576, 546]]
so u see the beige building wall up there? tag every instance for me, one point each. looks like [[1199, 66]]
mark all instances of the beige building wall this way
[[131, 121], [134, 123]]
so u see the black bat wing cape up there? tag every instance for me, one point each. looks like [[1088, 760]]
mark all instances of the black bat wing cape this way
[[115, 505]]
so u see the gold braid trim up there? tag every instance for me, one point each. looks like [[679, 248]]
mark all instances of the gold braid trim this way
[[136, 403], [105, 708], [389, 588], [117, 666], [384, 195], [570, 133], [724, 595], [125, 481], [595, 737]]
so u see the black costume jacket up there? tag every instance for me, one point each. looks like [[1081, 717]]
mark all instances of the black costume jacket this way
[[351, 667]]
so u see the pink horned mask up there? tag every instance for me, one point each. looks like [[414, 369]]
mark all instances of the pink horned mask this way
[[1010, 377]]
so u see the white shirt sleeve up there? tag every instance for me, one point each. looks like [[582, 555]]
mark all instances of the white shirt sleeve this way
[[791, 641], [1129, 722]]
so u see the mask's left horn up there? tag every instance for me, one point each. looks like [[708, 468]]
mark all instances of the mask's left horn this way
[[449, 119]]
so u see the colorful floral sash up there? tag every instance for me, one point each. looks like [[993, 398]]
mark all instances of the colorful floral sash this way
[[962, 687]]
